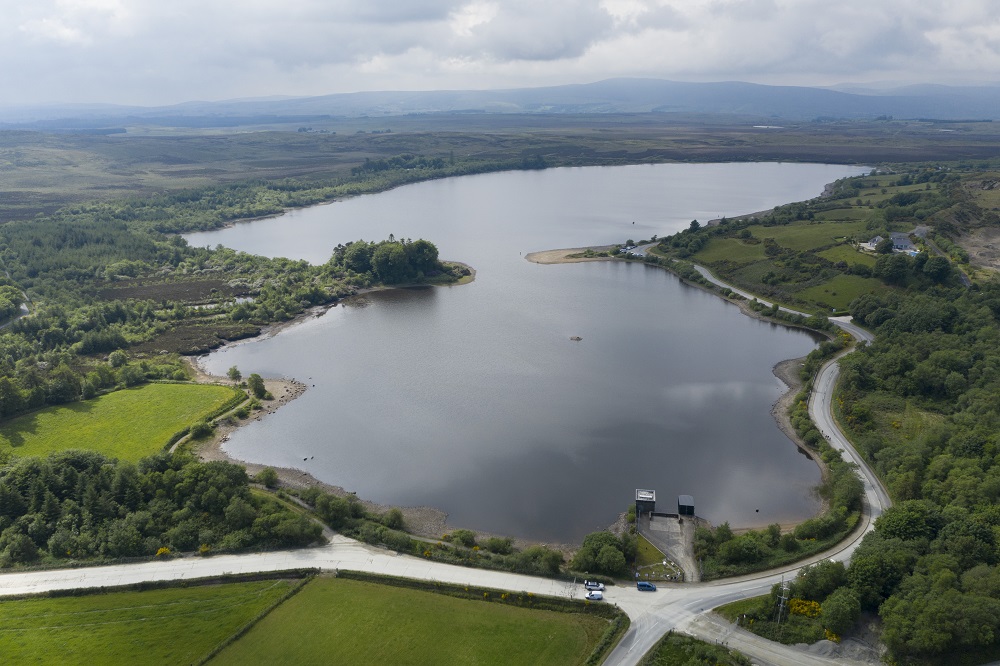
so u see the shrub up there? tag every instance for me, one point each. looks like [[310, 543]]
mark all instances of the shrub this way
[[465, 537], [201, 429], [393, 519], [500, 545], [268, 477]]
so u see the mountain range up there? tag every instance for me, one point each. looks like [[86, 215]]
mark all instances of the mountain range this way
[[613, 96]]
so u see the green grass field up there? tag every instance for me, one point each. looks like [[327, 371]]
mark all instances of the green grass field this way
[[730, 249], [352, 622], [169, 626], [841, 290], [844, 214], [809, 236], [848, 254], [127, 424]]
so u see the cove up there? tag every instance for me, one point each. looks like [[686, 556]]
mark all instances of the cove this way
[[474, 400]]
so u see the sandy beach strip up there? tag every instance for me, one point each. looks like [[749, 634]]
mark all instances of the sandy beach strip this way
[[565, 256]]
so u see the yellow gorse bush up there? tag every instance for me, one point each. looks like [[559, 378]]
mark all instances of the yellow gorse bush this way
[[803, 607]]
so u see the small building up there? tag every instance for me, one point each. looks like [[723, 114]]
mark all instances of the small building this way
[[645, 501], [901, 242], [685, 505]]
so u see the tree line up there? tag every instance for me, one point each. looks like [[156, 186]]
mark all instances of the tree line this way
[[75, 505]]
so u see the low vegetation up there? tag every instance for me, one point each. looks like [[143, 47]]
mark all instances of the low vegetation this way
[[175, 625], [348, 516], [674, 649]]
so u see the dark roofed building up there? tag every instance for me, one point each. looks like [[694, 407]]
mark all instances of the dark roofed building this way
[[645, 501]]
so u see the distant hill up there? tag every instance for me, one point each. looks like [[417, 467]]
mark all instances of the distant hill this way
[[782, 103]]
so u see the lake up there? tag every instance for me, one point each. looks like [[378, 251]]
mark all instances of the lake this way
[[473, 399]]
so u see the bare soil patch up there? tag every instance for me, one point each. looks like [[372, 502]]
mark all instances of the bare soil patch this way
[[983, 246]]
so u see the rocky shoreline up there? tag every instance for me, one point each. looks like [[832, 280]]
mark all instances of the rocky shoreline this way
[[421, 521]]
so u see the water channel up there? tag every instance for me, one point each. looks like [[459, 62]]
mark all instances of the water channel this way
[[473, 399]]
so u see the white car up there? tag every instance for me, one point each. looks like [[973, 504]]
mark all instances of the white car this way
[[593, 585], [595, 595]]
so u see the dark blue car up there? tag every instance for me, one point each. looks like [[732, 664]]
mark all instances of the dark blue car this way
[[645, 586]]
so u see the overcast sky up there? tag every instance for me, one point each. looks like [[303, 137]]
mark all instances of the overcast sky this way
[[152, 52]]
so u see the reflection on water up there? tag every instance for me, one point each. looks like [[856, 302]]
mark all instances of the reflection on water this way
[[475, 400]]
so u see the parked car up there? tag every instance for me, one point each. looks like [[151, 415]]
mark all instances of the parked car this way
[[595, 595], [593, 585], [645, 586]]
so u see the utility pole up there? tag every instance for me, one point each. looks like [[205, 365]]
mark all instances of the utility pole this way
[[782, 601]]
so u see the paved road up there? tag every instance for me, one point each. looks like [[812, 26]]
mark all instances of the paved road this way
[[674, 607], [340, 553]]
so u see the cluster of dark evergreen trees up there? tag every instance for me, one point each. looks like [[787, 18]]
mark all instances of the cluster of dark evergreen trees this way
[[81, 505]]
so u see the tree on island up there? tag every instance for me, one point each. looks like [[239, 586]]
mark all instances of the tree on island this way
[[390, 261]]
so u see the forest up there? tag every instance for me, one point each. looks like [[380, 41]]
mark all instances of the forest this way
[[80, 505]]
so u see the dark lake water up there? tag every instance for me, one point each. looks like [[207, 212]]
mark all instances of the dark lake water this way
[[473, 399]]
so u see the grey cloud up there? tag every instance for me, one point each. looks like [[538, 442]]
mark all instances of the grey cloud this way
[[661, 17], [531, 30], [402, 11]]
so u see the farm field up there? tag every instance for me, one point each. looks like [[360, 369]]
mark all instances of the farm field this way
[[809, 236], [839, 291], [848, 254], [127, 424], [843, 214], [732, 250], [365, 623], [167, 626]]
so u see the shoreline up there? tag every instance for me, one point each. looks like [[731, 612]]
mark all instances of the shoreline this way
[[424, 521], [786, 371]]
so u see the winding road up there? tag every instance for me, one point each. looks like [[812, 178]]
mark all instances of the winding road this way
[[682, 607]]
